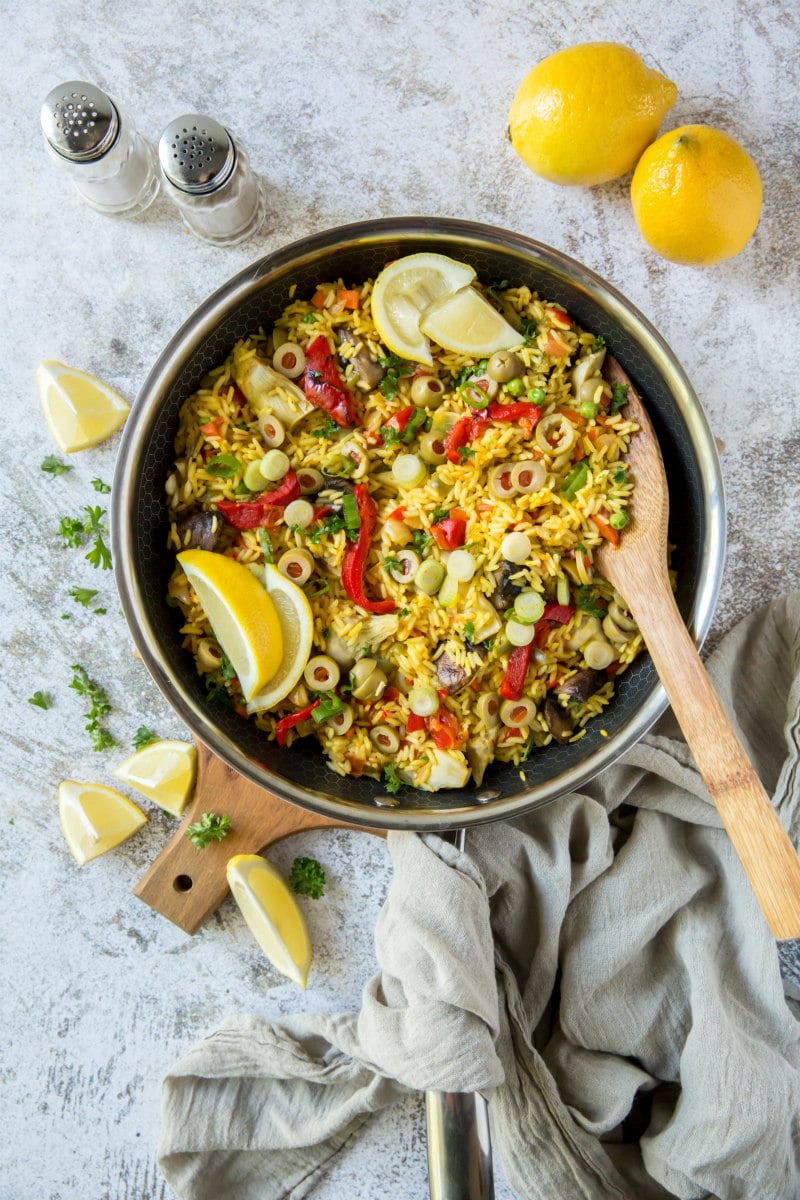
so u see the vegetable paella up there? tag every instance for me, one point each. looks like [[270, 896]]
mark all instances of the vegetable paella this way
[[436, 513]]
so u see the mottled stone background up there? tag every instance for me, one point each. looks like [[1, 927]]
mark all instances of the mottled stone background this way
[[350, 111]]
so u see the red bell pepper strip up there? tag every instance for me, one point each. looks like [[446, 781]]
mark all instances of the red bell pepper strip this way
[[458, 437], [414, 723], [445, 730], [515, 412], [355, 556], [449, 533], [322, 384], [249, 514], [400, 419], [560, 613], [516, 670], [295, 718]]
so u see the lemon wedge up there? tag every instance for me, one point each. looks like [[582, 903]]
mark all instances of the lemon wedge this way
[[403, 291], [272, 913], [297, 626], [95, 818], [163, 771], [467, 323], [79, 409], [241, 613]]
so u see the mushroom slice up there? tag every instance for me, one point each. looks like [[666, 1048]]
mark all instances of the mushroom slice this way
[[559, 722], [198, 530], [580, 686]]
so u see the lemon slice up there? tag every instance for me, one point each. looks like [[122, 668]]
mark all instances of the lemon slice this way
[[241, 613], [297, 626], [468, 324], [163, 771], [80, 410], [272, 913], [95, 818], [403, 290]]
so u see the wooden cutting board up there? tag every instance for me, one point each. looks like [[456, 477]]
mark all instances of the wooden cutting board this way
[[186, 885]]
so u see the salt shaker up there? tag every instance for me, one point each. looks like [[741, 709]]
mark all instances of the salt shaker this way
[[112, 166], [206, 172]]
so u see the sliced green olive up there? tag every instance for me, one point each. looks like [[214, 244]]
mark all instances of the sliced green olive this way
[[593, 390], [296, 565], [528, 476], [321, 673], [208, 655], [272, 430], [429, 576], [385, 739], [409, 565], [290, 360], [372, 684], [516, 714], [310, 480], [584, 628], [555, 434], [503, 366], [427, 391], [500, 482], [488, 709], [340, 722], [431, 448], [423, 701]]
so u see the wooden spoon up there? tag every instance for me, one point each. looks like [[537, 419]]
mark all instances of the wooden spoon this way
[[638, 570]]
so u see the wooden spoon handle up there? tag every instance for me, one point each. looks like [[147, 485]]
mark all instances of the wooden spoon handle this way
[[763, 847]]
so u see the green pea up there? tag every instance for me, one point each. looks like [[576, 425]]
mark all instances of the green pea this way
[[515, 387], [536, 395], [588, 409], [618, 520]]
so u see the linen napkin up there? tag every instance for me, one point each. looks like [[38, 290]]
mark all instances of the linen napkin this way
[[599, 969]]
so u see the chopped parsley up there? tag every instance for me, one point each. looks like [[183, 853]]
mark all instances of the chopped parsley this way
[[143, 737], [391, 779], [494, 288], [392, 564], [99, 555], [39, 699], [99, 486], [71, 531], [528, 331], [210, 828], [54, 466], [332, 524], [328, 430], [215, 691], [309, 318], [404, 612], [320, 589], [395, 369], [83, 596], [588, 601], [75, 532], [307, 878], [439, 514], [465, 452], [619, 475], [599, 342], [469, 631], [620, 397], [226, 667], [390, 435], [99, 708], [420, 539]]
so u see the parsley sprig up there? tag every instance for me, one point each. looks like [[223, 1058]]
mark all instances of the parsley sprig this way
[[307, 878], [77, 531], [210, 828], [54, 466], [99, 707], [39, 699], [143, 737], [395, 369], [391, 779], [588, 601]]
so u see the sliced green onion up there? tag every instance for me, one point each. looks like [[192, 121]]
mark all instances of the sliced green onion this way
[[562, 590], [415, 422], [253, 479], [618, 520], [516, 547], [409, 470], [519, 634], [429, 576], [266, 545], [528, 608], [461, 566], [448, 592], [299, 512], [575, 480], [352, 521], [274, 465], [423, 701], [223, 466], [475, 397]]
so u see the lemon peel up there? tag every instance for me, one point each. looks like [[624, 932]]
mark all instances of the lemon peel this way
[[466, 323], [95, 818], [297, 627], [163, 771]]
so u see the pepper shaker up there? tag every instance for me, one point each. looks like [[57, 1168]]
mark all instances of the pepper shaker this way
[[206, 173], [111, 165]]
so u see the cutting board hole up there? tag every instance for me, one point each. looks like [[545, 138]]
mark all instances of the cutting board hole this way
[[183, 883]]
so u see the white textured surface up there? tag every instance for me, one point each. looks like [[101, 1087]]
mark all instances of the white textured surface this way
[[349, 111]]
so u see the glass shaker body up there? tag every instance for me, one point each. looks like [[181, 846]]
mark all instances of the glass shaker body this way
[[109, 163], [206, 173]]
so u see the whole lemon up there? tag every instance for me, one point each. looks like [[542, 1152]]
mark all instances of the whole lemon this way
[[696, 195], [585, 114]]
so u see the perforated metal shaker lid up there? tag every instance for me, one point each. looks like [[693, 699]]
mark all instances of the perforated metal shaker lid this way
[[196, 153], [80, 121]]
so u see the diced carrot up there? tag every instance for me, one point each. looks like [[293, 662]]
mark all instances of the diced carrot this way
[[605, 530], [348, 298], [211, 428], [484, 506], [554, 344], [560, 319], [592, 434], [458, 514], [241, 711], [319, 298], [397, 514], [572, 415], [476, 685]]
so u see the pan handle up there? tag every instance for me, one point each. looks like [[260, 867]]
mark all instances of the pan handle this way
[[459, 1146], [459, 1141]]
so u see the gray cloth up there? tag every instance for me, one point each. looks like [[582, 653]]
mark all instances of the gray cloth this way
[[600, 969]]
